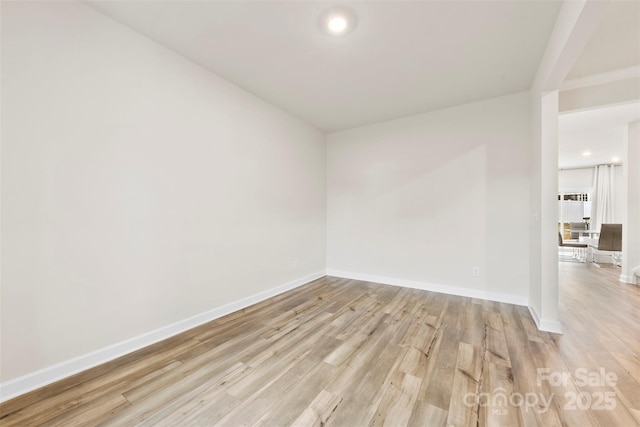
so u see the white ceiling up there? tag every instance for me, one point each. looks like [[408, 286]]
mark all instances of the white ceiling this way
[[614, 45], [403, 58], [600, 131]]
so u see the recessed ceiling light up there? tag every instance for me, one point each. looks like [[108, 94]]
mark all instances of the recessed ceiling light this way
[[586, 153], [338, 21], [337, 24], [615, 159]]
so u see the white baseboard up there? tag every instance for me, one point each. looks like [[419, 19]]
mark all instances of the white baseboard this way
[[552, 326], [43, 377], [444, 289], [631, 280]]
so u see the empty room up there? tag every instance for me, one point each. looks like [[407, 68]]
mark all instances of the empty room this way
[[317, 213]]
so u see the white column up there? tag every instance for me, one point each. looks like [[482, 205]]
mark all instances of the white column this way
[[543, 290], [549, 213], [631, 215]]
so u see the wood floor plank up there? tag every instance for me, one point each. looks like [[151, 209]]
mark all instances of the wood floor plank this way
[[296, 400], [198, 406], [319, 410], [90, 413], [428, 415], [362, 402], [438, 381], [498, 383], [466, 383], [398, 401]]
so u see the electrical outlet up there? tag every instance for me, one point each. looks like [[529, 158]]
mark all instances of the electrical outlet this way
[[475, 271], [294, 264]]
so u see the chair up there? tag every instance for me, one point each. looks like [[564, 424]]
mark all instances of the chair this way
[[576, 245], [610, 241], [573, 226]]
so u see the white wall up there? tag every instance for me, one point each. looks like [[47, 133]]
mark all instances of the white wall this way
[[575, 179], [138, 189], [427, 198]]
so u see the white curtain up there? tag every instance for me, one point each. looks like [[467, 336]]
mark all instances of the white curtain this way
[[602, 197]]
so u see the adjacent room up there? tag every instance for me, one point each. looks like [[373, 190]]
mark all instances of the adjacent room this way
[[592, 181], [276, 213]]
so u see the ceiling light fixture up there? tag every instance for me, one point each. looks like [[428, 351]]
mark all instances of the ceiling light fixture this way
[[337, 24], [586, 153], [615, 159], [338, 21]]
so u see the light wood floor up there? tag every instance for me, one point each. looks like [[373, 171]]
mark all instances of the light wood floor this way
[[348, 353]]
